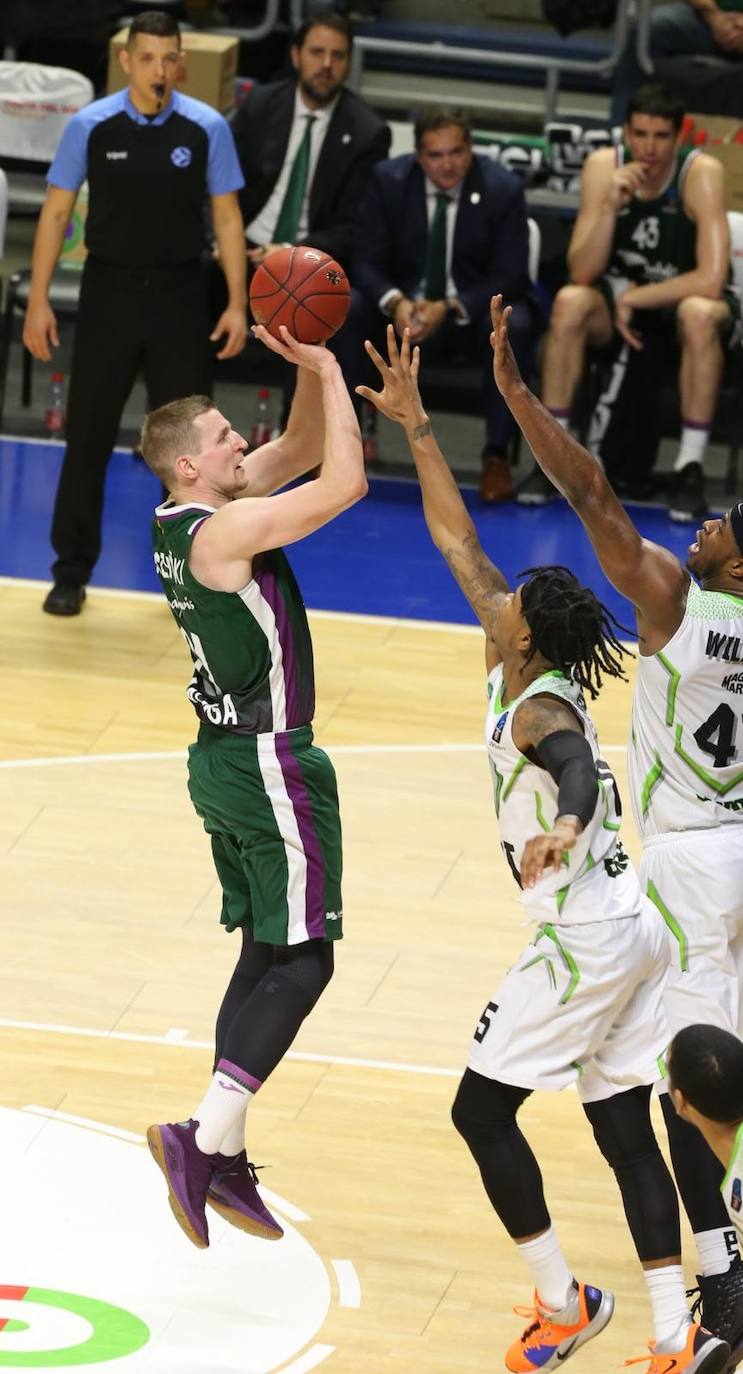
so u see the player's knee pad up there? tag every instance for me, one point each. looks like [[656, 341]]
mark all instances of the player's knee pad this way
[[484, 1107], [308, 967], [622, 1127]]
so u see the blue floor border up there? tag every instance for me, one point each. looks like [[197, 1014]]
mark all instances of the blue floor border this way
[[376, 559]]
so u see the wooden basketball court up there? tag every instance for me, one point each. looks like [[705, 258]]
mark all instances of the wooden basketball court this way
[[114, 963]]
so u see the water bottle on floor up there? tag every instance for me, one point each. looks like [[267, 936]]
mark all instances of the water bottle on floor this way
[[54, 414]]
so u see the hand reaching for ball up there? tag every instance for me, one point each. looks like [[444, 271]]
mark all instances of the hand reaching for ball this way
[[315, 357]]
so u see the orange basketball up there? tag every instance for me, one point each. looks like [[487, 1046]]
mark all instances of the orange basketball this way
[[302, 288]]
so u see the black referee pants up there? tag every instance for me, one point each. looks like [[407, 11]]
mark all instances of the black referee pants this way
[[130, 320]]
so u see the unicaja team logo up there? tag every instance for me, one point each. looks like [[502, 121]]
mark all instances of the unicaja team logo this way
[[181, 157]]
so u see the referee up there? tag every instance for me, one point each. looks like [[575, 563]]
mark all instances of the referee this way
[[150, 155]]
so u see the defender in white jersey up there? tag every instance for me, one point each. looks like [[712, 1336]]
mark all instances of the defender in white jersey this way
[[583, 1004], [686, 777]]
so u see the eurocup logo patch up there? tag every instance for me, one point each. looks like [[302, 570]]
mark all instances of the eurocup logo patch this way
[[735, 1199], [499, 728], [181, 157]]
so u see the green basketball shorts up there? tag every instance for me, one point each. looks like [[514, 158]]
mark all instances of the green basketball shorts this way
[[270, 805]]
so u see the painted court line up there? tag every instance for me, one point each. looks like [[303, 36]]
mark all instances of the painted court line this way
[[164, 755], [53, 1115], [346, 617], [341, 1061], [349, 1288], [280, 1204], [309, 1360]]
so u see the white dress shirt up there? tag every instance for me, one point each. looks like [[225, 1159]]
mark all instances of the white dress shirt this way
[[261, 230]]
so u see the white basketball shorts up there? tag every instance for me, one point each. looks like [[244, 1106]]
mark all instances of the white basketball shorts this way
[[583, 1004]]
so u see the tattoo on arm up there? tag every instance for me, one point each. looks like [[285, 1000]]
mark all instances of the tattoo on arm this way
[[538, 717], [421, 431], [482, 583]]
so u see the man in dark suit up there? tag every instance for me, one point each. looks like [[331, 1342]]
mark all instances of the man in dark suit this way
[[307, 146], [438, 233]]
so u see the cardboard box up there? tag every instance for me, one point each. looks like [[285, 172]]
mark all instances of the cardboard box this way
[[722, 138], [209, 61]]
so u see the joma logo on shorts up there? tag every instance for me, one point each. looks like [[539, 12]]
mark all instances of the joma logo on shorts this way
[[333, 915]]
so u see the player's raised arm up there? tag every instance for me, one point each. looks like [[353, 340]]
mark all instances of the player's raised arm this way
[[448, 520], [301, 445], [647, 574], [224, 546]]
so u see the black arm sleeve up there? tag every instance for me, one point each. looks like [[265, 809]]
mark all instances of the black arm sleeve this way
[[568, 759]]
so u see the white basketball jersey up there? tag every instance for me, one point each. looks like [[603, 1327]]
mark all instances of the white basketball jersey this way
[[596, 881], [732, 1184], [685, 753]]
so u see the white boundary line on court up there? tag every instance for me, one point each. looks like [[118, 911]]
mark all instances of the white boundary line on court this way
[[158, 756], [300, 1056], [349, 1288], [309, 1360], [347, 617], [52, 1114]]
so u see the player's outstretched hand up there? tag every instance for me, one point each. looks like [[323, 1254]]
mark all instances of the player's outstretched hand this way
[[316, 357], [546, 851], [399, 398], [505, 367]]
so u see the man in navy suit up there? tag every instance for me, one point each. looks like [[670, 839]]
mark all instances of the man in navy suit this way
[[344, 138], [438, 233]]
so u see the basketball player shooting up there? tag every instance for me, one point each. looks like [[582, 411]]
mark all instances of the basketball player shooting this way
[[583, 1004], [266, 795]]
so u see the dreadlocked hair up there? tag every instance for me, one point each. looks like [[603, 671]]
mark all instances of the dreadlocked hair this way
[[571, 628]]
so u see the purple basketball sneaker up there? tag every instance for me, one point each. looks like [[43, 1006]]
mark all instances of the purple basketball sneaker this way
[[188, 1173], [233, 1193]]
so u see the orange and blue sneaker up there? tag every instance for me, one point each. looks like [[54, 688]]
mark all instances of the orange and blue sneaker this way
[[551, 1337], [703, 1353]]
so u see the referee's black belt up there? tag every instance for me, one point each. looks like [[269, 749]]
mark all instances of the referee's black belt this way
[[136, 277]]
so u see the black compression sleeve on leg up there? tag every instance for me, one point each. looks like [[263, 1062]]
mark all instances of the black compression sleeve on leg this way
[[698, 1171], [263, 1029], [625, 1137], [253, 962], [484, 1113]]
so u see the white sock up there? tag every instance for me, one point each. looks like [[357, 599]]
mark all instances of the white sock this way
[[667, 1291], [223, 1104], [546, 1262], [716, 1250], [234, 1140], [694, 439]]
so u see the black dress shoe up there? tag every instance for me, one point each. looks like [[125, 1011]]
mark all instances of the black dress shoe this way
[[65, 598]]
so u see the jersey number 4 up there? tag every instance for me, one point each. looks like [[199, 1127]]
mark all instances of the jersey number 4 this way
[[717, 735]]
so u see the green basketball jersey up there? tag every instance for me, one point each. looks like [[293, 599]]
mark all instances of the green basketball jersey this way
[[251, 650], [655, 239], [685, 760]]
